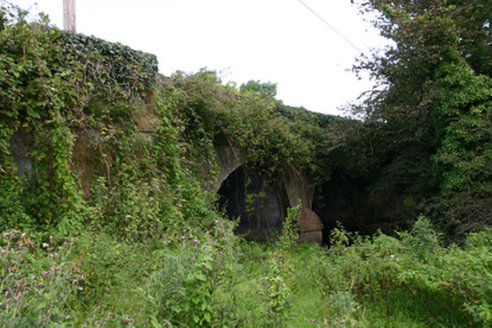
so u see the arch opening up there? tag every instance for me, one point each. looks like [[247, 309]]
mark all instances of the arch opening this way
[[348, 201], [258, 201]]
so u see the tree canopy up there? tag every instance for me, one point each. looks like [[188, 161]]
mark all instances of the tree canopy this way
[[427, 126], [267, 90]]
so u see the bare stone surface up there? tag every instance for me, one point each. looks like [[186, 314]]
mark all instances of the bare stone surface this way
[[308, 221], [298, 187], [311, 237], [19, 149], [229, 159]]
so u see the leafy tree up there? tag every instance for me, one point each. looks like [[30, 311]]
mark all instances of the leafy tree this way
[[267, 90], [427, 130]]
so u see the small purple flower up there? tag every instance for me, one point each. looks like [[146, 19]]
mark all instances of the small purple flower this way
[[220, 253], [10, 269], [343, 320], [314, 320], [31, 277]]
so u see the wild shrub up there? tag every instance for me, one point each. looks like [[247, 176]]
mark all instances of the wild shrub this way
[[414, 274], [194, 271], [39, 283]]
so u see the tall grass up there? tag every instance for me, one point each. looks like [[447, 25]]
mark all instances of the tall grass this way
[[214, 279]]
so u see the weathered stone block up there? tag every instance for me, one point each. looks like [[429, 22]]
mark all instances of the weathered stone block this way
[[307, 221], [311, 237]]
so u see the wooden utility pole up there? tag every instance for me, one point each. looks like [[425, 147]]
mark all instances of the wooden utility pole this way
[[69, 15]]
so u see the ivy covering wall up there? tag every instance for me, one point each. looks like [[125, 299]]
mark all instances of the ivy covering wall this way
[[105, 220], [88, 126], [114, 146]]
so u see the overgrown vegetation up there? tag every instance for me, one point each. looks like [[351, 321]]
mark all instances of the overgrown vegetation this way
[[107, 220], [215, 279], [426, 131]]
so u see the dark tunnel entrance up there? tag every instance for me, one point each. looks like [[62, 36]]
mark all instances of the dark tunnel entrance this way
[[336, 202], [347, 201], [256, 201]]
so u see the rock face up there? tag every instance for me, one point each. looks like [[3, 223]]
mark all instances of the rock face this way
[[312, 237], [299, 191], [228, 159], [309, 221], [19, 149], [256, 202], [310, 226]]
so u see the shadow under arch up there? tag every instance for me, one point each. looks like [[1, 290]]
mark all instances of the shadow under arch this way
[[257, 200]]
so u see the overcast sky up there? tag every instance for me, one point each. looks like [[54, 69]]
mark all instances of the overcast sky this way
[[278, 41]]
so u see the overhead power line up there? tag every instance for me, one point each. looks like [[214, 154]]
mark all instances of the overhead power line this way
[[334, 29]]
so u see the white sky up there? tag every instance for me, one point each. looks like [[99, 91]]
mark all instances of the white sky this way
[[278, 41]]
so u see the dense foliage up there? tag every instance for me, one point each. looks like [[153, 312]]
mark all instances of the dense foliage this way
[[248, 119], [214, 279], [107, 220], [92, 139], [83, 121], [112, 64], [427, 126]]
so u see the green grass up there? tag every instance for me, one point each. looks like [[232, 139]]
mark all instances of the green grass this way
[[222, 281]]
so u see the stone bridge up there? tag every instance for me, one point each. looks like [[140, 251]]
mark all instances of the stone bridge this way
[[257, 199], [260, 200]]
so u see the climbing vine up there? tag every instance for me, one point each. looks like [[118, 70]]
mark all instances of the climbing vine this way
[[109, 144], [60, 105]]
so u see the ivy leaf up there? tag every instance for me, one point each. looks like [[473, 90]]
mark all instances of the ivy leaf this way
[[32, 113]]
